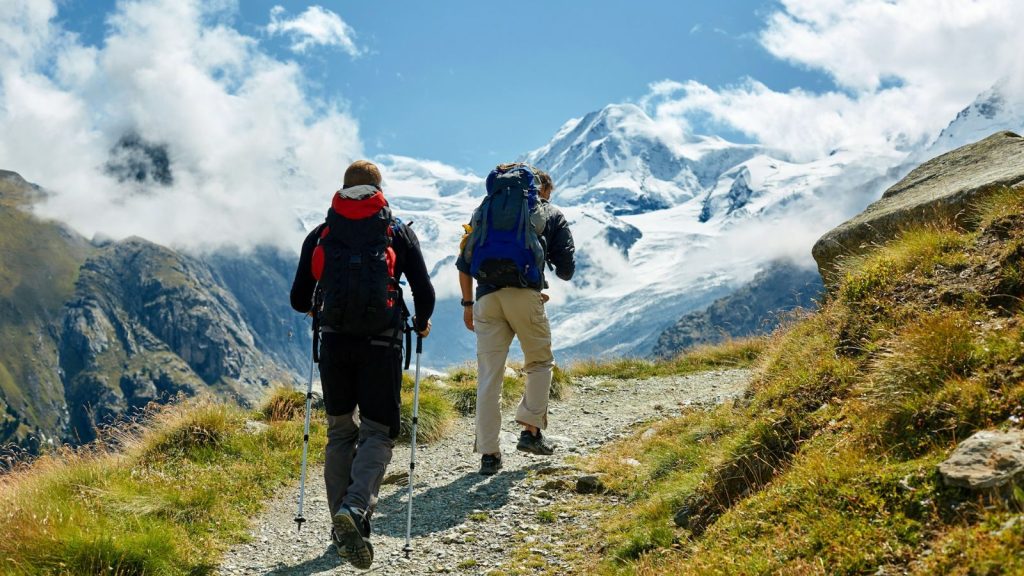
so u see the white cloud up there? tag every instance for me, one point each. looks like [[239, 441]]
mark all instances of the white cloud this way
[[316, 26], [244, 142], [904, 68], [24, 30]]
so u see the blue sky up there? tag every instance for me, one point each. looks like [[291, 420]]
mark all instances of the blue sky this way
[[473, 83]]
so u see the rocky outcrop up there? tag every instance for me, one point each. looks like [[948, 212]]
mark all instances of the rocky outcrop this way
[[147, 323], [39, 261], [92, 332], [260, 281], [989, 460], [938, 189], [755, 308]]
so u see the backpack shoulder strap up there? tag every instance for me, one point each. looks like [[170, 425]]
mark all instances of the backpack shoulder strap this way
[[484, 219], [539, 217]]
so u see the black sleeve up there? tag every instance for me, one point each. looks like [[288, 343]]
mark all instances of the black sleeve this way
[[304, 283], [561, 249], [415, 270]]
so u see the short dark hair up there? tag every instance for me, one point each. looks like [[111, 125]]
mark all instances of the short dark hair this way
[[362, 172]]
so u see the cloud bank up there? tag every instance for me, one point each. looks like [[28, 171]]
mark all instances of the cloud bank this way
[[176, 127], [902, 69]]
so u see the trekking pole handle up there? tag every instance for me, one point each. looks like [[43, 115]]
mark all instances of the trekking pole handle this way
[[419, 345]]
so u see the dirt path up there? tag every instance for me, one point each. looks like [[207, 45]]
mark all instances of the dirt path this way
[[464, 523]]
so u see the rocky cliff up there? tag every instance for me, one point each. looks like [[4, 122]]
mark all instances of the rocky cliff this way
[[39, 263], [755, 308], [92, 332], [146, 323]]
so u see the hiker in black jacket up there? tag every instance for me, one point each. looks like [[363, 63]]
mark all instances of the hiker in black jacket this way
[[363, 372], [500, 313]]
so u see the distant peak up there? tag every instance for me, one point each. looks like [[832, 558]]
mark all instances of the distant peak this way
[[13, 177]]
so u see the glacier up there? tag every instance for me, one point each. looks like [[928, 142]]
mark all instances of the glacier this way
[[663, 225]]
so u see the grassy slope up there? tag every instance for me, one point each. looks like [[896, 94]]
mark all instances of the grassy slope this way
[[829, 465], [173, 491], [39, 263], [166, 501]]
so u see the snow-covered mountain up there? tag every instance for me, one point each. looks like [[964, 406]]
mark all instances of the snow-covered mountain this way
[[621, 158], [993, 110], [664, 224], [703, 216]]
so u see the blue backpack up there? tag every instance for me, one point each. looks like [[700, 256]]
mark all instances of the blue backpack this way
[[505, 248]]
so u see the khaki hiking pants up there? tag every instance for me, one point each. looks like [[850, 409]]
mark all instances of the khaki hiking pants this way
[[498, 317]]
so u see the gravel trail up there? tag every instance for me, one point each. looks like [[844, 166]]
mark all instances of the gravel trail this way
[[464, 523]]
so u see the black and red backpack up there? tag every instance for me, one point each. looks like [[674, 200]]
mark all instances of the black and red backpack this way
[[354, 265]]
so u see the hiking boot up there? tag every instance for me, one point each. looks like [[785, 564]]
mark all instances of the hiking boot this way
[[339, 545], [353, 531], [535, 444], [490, 464]]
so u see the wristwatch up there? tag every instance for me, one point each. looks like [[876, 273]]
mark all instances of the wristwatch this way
[[467, 303]]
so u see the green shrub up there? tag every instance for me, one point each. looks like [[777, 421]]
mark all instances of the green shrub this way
[[284, 403], [186, 482], [737, 353], [436, 413], [461, 386], [200, 429]]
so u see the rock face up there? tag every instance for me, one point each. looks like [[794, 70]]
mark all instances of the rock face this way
[[260, 281], [939, 188], [39, 261], [147, 323], [90, 333], [753, 309], [988, 460]]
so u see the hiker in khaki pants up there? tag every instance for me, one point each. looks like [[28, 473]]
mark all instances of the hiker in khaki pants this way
[[503, 312]]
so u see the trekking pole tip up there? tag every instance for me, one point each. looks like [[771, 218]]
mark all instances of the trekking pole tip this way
[[408, 550], [298, 521]]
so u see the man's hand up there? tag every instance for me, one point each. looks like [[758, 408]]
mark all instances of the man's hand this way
[[426, 331], [545, 297], [467, 317]]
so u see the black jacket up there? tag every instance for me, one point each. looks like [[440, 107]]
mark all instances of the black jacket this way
[[559, 249], [408, 261]]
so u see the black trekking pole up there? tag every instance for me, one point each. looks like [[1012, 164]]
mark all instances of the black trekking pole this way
[[299, 518], [412, 446]]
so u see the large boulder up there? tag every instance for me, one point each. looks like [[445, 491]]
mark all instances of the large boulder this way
[[938, 189], [988, 460]]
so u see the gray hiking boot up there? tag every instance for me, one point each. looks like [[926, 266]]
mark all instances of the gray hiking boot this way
[[352, 529], [535, 444], [490, 464]]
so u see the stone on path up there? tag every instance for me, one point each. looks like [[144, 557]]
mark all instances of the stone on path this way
[[589, 484], [989, 459]]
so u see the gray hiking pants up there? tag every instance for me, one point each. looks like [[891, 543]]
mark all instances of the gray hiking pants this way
[[363, 373], [353, 476]]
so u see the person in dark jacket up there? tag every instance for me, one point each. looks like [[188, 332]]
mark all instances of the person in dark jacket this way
[[364, 373], [498, 315]]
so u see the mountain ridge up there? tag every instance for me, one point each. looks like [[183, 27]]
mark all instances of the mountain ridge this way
[[92, 332]]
